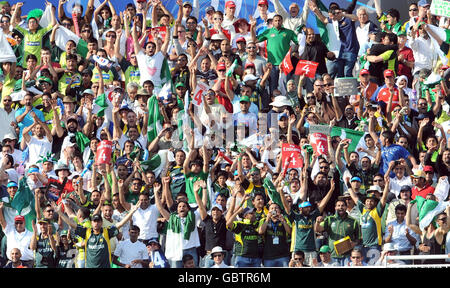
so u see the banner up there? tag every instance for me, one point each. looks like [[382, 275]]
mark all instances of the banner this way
[[291, 155], [104, 150], [346, 86], [307, 68], [319, 142], [286, 65], [440, 8], [200, 90], [320, 129]]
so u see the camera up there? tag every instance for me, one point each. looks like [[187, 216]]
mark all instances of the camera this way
[[274, 213]]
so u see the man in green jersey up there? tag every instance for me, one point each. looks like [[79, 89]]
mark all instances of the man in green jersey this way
[[246, 237], [339, 226], [278, 44], [193, 171], [33, 37], [371, 213], [303, 236], [176, 174], [97, 246], [43, 245]]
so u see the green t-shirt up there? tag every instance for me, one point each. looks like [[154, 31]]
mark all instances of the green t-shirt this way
[[371, 224], [338, 228], [276, 240], [190, 178], [178, 182], [303, 231], [246, 238], [278, 43], [221, 190], [33, 42], [97, 251], [44, 255]]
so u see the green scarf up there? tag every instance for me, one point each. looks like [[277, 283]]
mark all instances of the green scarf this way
[[175, 224], [82, 140]]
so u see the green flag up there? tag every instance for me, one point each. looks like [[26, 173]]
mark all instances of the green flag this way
[[357, 139], [156, 163], [321, 26], [101, 105], [23, 202], [428, 210], [155, 118], [166, 76], [82, 141]]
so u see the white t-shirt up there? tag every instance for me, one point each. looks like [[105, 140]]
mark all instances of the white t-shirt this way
[[142, 141], [129, 251], [150, 67], [146, 221], [18, 240], [396, 184], [38, 147], [117, 216]]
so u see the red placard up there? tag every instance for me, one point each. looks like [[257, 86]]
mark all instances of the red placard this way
[[104, 150], [319, 142], [291, 154], [307, 68], [286, 65]]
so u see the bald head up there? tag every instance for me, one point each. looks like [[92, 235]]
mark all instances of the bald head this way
[[293, 10], [310, 35]]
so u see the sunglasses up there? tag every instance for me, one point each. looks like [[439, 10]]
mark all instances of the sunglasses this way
[[48, 211], [378, 180], [356, 257], [86, 31], [5, 21], [298, 259], [221, 70], [66, 24], [443, 219], [324, 167], [310, 97], [110, 36], [414, 9], [217, 255], [18, 223], [7, 100]]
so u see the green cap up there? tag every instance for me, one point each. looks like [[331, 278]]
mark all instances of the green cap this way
[[35, 13], [45, 79], [63, 233], [254, 169], [325, 249], [180, 84], [401, 33], [43, 220], [244, 99]]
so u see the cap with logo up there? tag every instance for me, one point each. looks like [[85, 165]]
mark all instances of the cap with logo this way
[[388, 73]]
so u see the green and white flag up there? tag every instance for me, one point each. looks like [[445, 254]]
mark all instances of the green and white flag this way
[[356, 137], [100, 106], [428, 210], [156, 163], [323, 31], [23, 203], [155, 119]]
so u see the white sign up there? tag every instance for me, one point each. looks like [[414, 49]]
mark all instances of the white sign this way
[[440, 8]]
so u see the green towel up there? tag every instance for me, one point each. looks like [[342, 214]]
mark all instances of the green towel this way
[[175, 224]]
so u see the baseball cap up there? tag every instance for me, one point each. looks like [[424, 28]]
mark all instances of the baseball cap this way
[[370, 196], [405, 188], [249, 64], [356, 178], [364, 72], [419, 174], [10, 136], [444, 67], [209, 9], [218, 36], [230, 4], [187, 3], [89, 91], [388, 73], [304, 204], [263, 2], [422, 3], [19, 218], [86, 71], [249, 77], [221, 66], [43, 220], [12, 184], [64, 233], [325, 249], [248, 211], [240, 39], [180, 84], [97, 217], [33, 170], [375, 188], [45, 79], [282, 115], [218, 207], [153, 240], [428, 168], [244, 99]]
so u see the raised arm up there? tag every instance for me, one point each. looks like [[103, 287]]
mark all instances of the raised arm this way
[[63, 216], [201, 206], [129, 215], [327, 197], [162, 210], [411, 226], [122, 200]]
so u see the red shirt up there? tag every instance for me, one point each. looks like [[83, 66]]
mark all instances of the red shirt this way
[[226, 32], [408, 55], [225, 101], [383, 95], [68, 188], [423, 192]]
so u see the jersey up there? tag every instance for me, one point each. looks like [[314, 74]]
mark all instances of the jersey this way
[[33, 42], [303, 236], [97, 247], [371, 224], [44, 256], [178, 182], [276, 239], [246, 238]]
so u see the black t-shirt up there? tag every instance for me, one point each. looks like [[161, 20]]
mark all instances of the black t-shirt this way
[[316, 52], [215, 233]]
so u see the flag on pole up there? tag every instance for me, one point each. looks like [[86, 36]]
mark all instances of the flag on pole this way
[[323, 31], [286, 65], [356, 137], [23, 202], [101, 105], [155, 118]]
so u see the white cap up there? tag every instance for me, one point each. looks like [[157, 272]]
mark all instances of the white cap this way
[[249, 77], [218, 36], [389, 247], [281, 101]]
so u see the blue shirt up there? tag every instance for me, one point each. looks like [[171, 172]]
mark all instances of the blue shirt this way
[[28, 120], [347, 35], [391, 153]]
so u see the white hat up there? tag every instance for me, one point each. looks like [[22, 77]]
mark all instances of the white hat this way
[[11, 136], [374, 188], [281, 101], [249, 77], [216, 249], [218, 207], [218, 36], [389, 247]]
